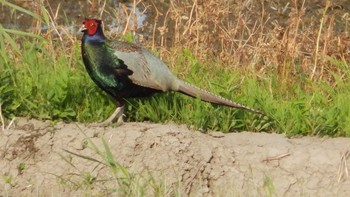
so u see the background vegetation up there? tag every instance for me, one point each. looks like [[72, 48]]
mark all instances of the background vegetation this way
[[288, 59]]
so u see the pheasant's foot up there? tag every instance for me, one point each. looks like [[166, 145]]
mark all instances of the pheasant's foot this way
[[120, 120], [118, 113]]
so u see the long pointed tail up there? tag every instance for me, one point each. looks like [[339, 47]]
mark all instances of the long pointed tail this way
[[204, 95]]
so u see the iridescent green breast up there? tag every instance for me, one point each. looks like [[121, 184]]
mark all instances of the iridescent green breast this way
[[100, 64]]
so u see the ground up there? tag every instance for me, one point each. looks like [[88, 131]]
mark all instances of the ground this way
[[34, 160]]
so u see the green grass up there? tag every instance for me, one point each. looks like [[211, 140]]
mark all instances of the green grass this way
[[40, 85], [43, 86]]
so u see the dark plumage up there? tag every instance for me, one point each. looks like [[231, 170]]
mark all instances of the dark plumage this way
[[125, 70]]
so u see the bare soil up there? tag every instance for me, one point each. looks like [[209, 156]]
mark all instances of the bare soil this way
[[235, 164]]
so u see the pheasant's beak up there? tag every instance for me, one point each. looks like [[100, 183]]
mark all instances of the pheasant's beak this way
[[82, 28]]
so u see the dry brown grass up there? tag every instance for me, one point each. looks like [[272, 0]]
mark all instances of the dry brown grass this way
[[291, 39]]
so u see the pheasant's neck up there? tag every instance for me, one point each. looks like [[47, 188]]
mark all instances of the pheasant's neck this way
[[96, 38]]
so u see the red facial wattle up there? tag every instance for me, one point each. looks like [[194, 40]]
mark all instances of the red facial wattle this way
[[91, 26]]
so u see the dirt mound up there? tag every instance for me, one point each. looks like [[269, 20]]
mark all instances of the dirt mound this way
[[34, 161]]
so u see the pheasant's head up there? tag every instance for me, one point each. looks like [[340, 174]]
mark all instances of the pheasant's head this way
[[92, 26]]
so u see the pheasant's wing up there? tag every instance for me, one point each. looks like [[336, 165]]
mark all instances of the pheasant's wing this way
[[147, 70]]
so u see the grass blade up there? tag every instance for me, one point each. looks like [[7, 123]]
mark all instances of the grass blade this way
[[16, 7], [23, 33], [84, 157]]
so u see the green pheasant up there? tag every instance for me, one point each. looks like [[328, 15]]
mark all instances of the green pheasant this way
[[125, 70]]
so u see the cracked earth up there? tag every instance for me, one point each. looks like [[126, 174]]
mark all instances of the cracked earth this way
[[212, 164]]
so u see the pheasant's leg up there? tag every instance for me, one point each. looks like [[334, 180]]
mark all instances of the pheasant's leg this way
[[118, 113], [120, 120]]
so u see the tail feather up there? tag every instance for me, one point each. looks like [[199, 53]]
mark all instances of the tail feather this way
[[204, 95]]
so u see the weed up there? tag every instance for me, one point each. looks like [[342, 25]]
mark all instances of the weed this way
[[88, 179], [268, 186], [127, 184], [8, 179], [21, 167]]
